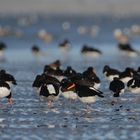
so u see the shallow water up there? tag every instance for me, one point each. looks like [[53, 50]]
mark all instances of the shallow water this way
[[30, 118]]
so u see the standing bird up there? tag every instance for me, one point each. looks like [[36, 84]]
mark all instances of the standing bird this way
[[90, 51], [117, 87], [49, 92], [5, 91], [134, 84], [126, 75], [6, 82], [38, 82], [110, 73], [68, 89], [36, 50], [55, 65], [47, 87], [86, 94], [90, 74], [8, 78], [57, 73], [69, 72], [125, 47], [65, 45]]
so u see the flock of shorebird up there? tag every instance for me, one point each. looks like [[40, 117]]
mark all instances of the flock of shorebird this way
[[73, 85], [83, 86], [124, 46]]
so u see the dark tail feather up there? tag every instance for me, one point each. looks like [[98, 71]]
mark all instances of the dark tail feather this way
[[100, 95], [100, 92]]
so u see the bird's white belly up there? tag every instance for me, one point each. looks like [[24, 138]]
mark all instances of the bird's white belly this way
[[4, 92], [51, 89], [70, 95], [111, 77], [130, 54], [135, 90], [126, 79], [88, 99], [91, 54]]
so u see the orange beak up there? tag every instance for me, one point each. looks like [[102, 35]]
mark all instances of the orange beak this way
[[70, 87]]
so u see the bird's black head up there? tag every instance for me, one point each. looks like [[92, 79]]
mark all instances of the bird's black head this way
[[2, 46], [69, 72], [7, 77], [106, 68], [10, 78], [47, 69], [91, 69], [2, 72], [35, 49]]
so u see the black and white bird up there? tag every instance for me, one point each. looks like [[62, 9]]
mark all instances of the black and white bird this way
[[68, 89], [126, 75], [90, 51], [57, 73], [85, 94], [38, 82], [69, 72], [90, 74], [134, 85], [47, 87], [110, 73], [5, 91], [65, 46], [55, 65], [125, 47], [36, 50], [117, 87], [127, 50], [8, 78]]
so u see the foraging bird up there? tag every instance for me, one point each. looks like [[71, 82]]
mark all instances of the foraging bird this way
[[110, 73], [117, 87]]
